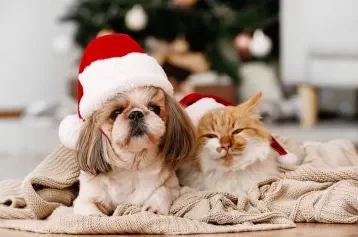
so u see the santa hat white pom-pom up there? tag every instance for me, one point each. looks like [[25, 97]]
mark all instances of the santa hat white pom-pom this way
[[288, 159], [69, 130]]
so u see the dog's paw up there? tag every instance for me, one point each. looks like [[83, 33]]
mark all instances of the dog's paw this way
[[157, 205], [86, 209]]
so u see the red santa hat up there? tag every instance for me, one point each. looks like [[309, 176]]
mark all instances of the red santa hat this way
[[110, 64], [197, 105]]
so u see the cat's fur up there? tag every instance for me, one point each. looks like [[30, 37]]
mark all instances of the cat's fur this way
[[233, 150]]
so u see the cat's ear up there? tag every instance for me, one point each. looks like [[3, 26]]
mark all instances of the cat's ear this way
[[252, 104]]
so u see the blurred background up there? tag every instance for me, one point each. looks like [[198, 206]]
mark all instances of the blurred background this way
[[302, 54]]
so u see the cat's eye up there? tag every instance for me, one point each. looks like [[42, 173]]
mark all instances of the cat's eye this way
[[210, 136], [115, 113], [154, 108], [237, 131]]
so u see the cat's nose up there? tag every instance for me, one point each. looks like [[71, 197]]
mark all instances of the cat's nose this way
[[226, 146]]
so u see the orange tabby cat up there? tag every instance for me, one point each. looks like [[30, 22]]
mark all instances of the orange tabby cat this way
[[234, 149]]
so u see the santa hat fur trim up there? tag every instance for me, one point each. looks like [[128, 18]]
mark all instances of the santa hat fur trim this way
[[110, 64], [118, 75], [197, 110], [197, 105]]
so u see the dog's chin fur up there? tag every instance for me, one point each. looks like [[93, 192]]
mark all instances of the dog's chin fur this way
[[121, 167]]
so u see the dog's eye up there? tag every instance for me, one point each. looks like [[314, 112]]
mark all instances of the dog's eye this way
[[154, 108], [115, 114], [237, 131], [210, 136]]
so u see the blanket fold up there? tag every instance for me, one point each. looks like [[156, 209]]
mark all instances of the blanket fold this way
[[317, 191]]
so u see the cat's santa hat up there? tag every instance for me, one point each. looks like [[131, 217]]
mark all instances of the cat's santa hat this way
[[197, 105]]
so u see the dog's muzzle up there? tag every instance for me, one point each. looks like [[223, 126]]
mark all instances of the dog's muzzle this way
[[137, 124]]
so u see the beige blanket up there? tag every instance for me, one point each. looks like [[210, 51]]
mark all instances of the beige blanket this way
[[317, 191]]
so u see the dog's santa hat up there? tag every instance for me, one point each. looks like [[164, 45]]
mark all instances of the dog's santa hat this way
[[110, 64], [197, 105]]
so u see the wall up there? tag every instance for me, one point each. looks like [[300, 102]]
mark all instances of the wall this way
[[319, 46], [324, 31], [30, 70]]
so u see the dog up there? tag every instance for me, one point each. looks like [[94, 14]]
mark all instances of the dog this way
[[128, 151]]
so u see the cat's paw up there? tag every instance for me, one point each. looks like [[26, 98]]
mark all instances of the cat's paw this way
[[157, 205]]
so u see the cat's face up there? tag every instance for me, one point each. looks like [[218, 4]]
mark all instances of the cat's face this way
[[233, 137]]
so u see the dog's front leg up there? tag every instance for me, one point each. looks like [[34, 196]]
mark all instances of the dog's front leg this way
[[87, 203], [159, 202], [162, 198], [86, 207]]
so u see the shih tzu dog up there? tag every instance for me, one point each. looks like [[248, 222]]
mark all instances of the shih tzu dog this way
[[128, 151], [129, 133]]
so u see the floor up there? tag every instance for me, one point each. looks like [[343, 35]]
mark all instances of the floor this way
[[308, 230]]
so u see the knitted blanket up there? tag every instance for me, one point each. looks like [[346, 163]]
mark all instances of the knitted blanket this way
[[323, 189]]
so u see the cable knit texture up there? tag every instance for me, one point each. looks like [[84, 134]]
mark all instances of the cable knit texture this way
[[323, 189]]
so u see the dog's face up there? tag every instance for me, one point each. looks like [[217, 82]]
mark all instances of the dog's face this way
[[135, 120], [131, 125]]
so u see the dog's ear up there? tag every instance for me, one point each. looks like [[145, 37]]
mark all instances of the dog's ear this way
[[179, 141], [91, 149]]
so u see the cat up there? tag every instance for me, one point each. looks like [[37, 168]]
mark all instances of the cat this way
[[234, 150]]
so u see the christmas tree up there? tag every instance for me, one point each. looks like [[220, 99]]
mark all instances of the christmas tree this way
[[204, 24]]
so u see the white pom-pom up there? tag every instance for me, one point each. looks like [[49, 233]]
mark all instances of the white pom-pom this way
[[69, 130], [288, 159]]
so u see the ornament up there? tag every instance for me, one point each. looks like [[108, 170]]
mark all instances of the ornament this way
[[104, 32], [136, 18], [62, 44], [242, 44], [155, 45], [261, 44], [185, 3], [113, 11], [180, 46], [99, 19]]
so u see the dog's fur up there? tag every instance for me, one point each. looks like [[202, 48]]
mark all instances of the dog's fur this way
[[125, 160]]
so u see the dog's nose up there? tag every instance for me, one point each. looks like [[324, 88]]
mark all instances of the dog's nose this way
[[226, 146], [136, 115]]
